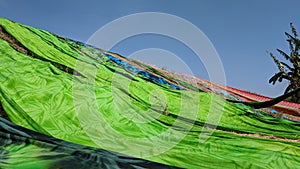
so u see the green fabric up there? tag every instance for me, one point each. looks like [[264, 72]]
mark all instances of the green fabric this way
[[118, 111], [23, 148]]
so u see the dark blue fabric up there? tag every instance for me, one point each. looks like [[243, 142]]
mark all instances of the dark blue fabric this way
[[62, 154]]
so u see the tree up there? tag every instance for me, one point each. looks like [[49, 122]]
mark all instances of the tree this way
[[290, 70]]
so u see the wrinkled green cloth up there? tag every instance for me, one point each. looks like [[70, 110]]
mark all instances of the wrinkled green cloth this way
[[23, 148], [110, 108]]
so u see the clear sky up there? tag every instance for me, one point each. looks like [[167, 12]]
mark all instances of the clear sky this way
[[240, 30]]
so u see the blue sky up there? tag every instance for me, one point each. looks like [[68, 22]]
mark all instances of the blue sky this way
[[241, 31]]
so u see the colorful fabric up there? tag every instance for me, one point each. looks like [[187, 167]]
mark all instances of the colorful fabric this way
[[70, 103]]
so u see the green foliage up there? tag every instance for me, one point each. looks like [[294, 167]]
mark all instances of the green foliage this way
[[289, 70]]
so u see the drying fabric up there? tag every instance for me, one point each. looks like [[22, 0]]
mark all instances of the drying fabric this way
[[105, 105]]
